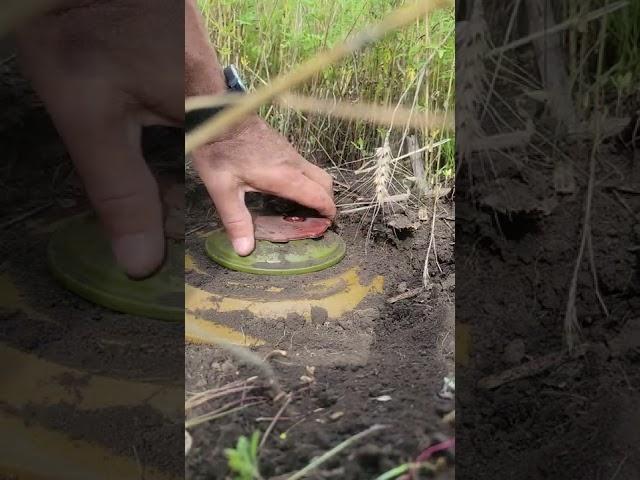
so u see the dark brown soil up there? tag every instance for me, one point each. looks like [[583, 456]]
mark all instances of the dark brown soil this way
[[408, 349], [518, 240], [574, 420]]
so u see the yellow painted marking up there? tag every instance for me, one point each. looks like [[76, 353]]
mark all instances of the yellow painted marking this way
[[342, 300], [190, 264], [59, 457], [34, 380], [197, 330]]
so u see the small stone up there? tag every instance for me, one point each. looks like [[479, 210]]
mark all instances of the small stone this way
[[402, 287], [400, 221], [335, 416], [383, 398]]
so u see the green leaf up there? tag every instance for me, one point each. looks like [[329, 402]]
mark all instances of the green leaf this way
[[243, 459]]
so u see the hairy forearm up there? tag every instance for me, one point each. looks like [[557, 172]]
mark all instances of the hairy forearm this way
[[203, 73]]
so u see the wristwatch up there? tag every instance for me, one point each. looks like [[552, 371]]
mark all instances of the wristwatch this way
[[234, 82], [194, 118]]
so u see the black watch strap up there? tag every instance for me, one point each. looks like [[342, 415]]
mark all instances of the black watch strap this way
[[194, 118]]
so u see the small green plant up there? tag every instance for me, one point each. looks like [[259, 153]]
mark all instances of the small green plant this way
[[243, 459]]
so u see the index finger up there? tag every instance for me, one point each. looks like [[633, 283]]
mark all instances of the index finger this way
[[297, 187]]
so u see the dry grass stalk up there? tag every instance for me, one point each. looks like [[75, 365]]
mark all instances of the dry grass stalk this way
[[432, 244], [551, 64], [571, 324], [221, 412], [286, 403], [471, 73], [333, 452], [530, 368], [382, 172], [560, 27], [397, 19], [418, 164], [368, 112], [241, 386]]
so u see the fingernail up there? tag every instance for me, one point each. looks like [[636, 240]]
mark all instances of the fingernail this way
[[139, 254], [243, 245]]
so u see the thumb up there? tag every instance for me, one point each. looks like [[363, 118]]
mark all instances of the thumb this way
[[228, 196], [121, 188]]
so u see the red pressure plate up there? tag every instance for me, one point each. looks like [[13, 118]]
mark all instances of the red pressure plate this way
[[282, 228]]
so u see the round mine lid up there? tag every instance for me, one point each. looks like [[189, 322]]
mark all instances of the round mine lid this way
[[291, 258], [80, 258]]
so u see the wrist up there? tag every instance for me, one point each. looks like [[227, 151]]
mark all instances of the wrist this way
[[238, 132], [203, 75]]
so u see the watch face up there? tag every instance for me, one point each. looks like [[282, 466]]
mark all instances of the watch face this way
[[234, 82]]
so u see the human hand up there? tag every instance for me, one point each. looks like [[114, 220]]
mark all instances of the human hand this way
[[104, 70], [251, 156], [255, 158]]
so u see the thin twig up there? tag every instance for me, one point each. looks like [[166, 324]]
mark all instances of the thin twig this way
[[530, 369], [208, 417], [275, 420], [601, 12], [619, 468], [625, 205], [406, 295], [215, 394], [571, 325], [334, 451], [195, 229], [432, 242]]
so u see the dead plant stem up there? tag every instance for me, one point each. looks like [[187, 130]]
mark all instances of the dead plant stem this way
[[432, 241], [275, 420], [571, 325]]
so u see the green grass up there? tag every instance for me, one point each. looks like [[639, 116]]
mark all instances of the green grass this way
[[243, 459], [271, 37], [624, 40], [621, 72]]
